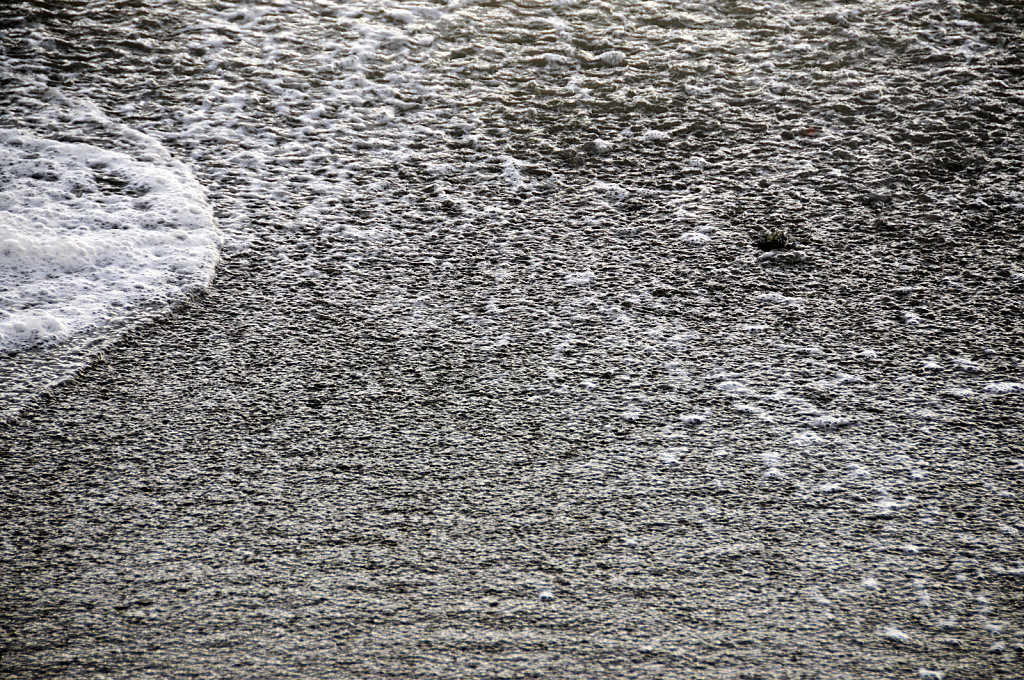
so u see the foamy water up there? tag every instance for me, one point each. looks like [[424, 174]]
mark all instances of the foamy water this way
[[93, 238], [101, 227]]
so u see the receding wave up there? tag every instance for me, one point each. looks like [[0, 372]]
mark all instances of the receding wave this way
[[94, 235]]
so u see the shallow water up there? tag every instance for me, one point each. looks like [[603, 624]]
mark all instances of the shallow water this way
[[492, 323]]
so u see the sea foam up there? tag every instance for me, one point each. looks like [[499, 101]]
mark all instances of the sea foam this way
[[92, 236]]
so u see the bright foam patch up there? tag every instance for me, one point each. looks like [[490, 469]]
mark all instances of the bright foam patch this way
[[91, 236]]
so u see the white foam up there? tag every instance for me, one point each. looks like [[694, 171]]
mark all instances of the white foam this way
[[805, 439], [733, 386], [968, 365], [612, 58], [669, 457], [895, 634], [694, 237], [581, 278], [858, 470], [599, 146], [780, 299], [750, 409], [512, 174], [655, 137], [1004, 387], [830, 422], [91, 236], [612, 191]]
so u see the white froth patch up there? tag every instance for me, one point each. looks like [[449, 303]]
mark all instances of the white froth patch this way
[[579, 278], [411, 14], [858, 471], [733, 386], [968, 365], [655, 137], [922, 593], [802, 350], [961, 392], [599, 146], [669, 457], [805, 439], [783, 256], [363, 233], [815, 595], [1004, 387], [887, 505], [895, 634], [612, 191], [555, 58], [753, 410], [612, 58], [676, 371], [928, 674], [780, 299], [830, 422], [90, 236], [694, 237], [910, 318], [512, 174]]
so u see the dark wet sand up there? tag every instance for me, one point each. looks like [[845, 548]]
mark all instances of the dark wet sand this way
[[268, 485]]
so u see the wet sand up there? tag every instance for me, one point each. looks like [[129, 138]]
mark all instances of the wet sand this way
[[273, 484]]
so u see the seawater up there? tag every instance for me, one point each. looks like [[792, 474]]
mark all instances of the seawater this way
[[135, 138], [611, 337]]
